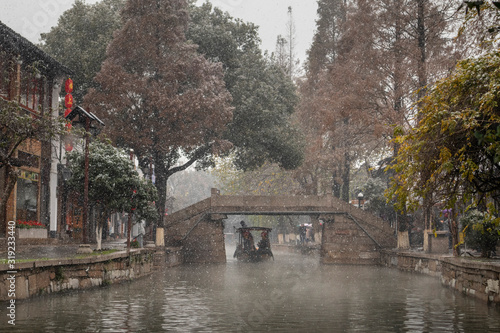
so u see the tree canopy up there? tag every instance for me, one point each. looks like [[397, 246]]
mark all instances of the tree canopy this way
[[80, 39], [264, 96], [368, 63], [158, 95], [453, 154], [114, 184]]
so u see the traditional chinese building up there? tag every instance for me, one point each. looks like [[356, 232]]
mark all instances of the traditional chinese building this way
[[33, 79]]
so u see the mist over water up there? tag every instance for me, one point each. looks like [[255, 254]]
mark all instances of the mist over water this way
[[292, 294]]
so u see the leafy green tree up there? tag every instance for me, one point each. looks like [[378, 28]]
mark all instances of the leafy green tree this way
[[114, 184], [264, 97], [373, 192], [17, 127], [482, 231], [80, 39], [324, 48]]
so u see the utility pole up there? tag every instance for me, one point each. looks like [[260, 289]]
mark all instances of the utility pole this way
[[291, 41]]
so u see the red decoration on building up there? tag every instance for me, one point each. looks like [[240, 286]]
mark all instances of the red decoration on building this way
[[68, 86], [68, 126], [66, 112], [68, 100]]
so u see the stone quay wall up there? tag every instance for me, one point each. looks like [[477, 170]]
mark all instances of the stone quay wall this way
[[37, 278], [473, 277]]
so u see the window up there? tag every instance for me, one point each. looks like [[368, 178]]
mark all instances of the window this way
[[27, 196], [31, 91]]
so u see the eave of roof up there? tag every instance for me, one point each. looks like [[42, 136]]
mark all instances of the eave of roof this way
[[16, 44]]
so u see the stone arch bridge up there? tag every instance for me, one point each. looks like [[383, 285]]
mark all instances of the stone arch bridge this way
[[349, 236]]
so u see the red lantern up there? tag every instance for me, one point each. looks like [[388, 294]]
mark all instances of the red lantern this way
[[68, 126], [68, 100], [68, 86], [66, 112], [69, 147]]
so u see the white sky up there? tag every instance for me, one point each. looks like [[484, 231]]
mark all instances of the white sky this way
[[32, 17]]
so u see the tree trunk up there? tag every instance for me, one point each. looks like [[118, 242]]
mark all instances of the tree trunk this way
[[454, 238], [101, 220], [346, 177], [346, 170], [161, 186], [98, 232], [403, 221], [10, 182], [398, 67], [421, 62], [336, 186]]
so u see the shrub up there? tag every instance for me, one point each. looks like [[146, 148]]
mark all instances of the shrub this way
[[29, 225], [482, 231]]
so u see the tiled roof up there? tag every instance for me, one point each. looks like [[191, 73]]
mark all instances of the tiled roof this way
[[14, 43]]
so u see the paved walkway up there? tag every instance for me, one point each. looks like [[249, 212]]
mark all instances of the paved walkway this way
[[59, 250]]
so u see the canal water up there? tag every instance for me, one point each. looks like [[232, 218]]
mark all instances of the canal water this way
[[292, 294]]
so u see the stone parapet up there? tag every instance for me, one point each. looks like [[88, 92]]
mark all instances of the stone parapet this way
[[49, 276], [474, 277], [344, 242]]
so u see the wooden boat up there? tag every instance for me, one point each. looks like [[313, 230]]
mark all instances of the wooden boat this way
[[246, 249]]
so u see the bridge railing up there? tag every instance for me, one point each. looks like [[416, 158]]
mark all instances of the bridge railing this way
[[188, 212]]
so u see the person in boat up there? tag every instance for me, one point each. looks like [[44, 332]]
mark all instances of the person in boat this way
[[265, 245], [264, 242], [248, 244]]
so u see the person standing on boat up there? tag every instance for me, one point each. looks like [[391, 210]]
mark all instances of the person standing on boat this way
[[302, 233]]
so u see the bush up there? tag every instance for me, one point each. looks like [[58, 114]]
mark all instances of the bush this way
[[482, 231], [29, 225]]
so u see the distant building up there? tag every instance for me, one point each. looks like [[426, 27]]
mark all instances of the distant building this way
[[32, 78]]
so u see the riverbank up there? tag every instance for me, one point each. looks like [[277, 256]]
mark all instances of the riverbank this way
[[26, 279], [475, 277]]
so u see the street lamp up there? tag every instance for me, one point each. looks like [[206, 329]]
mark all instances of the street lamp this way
[[360, 198], [79, 116], [129, 223], [65, 175]]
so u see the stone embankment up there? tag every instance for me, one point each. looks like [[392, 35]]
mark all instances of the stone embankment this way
[[472, 276], [40, 277]]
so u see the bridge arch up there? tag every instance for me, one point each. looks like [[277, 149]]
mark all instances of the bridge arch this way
[[350, 235]]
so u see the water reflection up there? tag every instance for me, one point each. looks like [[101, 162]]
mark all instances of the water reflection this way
[[291, 294]]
